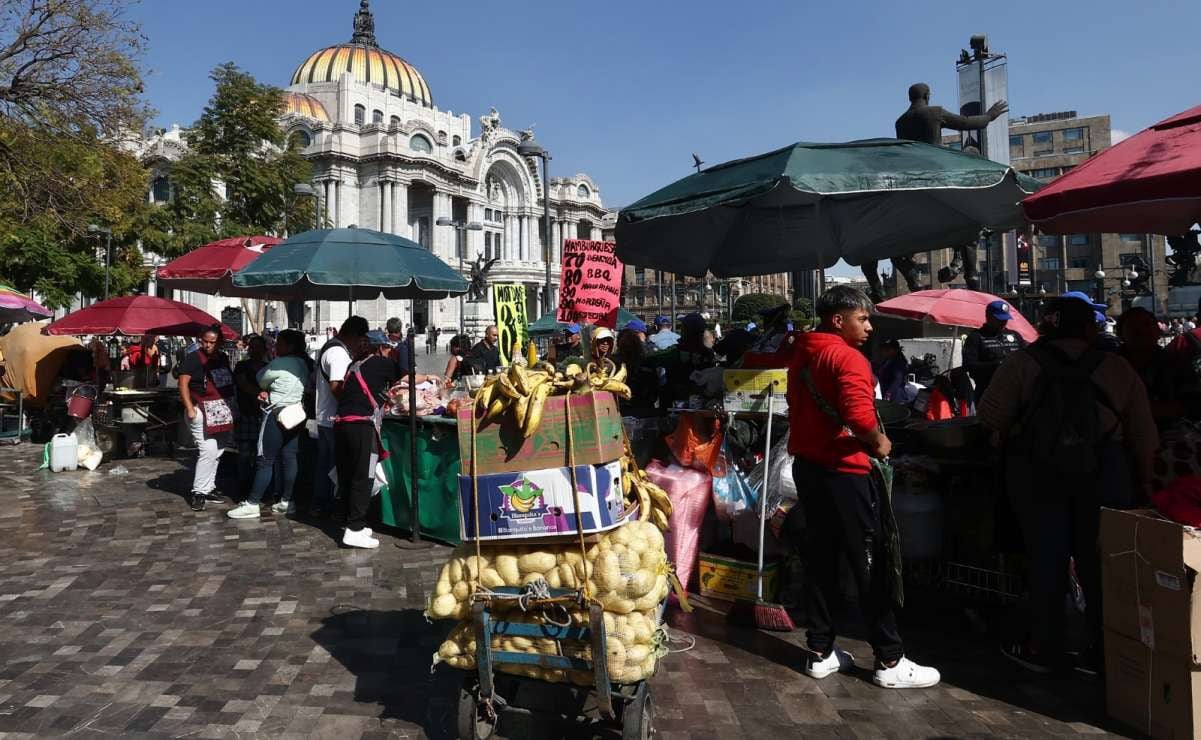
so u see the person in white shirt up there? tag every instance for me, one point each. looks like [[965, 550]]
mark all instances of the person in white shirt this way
[[329, 375]]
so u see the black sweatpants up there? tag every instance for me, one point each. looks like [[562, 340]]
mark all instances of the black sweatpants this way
[[353, 444], [843, 519]]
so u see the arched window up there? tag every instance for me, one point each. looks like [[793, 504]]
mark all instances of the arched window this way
[[377, 117], [360, 115], [300, 139], [421, 144], [582, 191], [460, 155], [394, 122], [442, 138], [456, 140], [160, 189]]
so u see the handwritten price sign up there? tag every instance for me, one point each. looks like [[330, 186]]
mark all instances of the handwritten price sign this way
[[590, 284], [508, 302]]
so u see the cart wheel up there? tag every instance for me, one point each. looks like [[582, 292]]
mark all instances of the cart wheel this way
[[473, 725], [637, 716]]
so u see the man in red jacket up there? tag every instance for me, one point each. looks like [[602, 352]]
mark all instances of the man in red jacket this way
[[833, 434]]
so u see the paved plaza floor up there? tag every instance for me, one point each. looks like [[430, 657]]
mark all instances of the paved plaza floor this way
[[124, 613]]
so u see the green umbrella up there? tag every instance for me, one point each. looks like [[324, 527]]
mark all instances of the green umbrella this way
[[806, 206], [548, 325], [350, 264]]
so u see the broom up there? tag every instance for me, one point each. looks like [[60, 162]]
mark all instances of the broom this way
[[760, 614]]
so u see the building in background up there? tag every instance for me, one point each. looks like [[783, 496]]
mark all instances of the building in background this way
[[648, 293], [1046, 146], [386, 157]]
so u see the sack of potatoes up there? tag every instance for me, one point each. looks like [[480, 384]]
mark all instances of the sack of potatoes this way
[[634, 643], [626, 570]]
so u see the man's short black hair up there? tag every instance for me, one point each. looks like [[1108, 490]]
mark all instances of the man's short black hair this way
[[1067, 318], [841, 298], [355, 326], [918, 91], [393, 326]]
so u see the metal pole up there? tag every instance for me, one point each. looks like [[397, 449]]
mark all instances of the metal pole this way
[[548, 247], [415, 527], [1150, 252], [673, 301], [459, 234], [108, 256]]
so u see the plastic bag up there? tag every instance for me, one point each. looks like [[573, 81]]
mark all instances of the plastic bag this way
[[732, 492], [780, 485], [696, 442]]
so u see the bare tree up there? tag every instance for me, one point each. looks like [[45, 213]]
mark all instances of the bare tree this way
[[71, 66]]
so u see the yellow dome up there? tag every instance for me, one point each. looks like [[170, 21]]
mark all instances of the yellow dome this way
[[363, 59], [299, 104]]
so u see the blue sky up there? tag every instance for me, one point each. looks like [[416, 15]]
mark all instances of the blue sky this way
[[626, 91]]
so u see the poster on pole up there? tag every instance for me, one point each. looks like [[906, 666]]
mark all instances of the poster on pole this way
[[508, 305], [1024, 255], [590, 283]]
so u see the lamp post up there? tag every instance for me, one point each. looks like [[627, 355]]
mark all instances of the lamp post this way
[[460, 227], [108, 251], [1099, 276], [531, 148], [296, 308]]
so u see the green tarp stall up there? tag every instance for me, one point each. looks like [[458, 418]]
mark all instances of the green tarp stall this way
[[437, 481]]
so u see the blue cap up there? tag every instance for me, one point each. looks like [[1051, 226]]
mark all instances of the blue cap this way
[[662, 320], [751, 326], [377, 338], [1081, 296], [998, 310], [572, 329], [636, 325]]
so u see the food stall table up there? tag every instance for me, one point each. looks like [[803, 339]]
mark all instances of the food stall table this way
[[437, 476], [126, 418]]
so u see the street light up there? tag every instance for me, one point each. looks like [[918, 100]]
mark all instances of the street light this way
[[460, 227], [531, 148], [1099, 276], [108, 250], [296, 308]]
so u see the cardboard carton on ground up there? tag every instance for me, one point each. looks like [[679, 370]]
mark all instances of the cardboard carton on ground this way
[[731, 579], [746, 390], [539, 503], [1152, 691], [596, 435], [1148, 571]]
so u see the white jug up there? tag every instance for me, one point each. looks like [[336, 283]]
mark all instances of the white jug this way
[[64, 453]]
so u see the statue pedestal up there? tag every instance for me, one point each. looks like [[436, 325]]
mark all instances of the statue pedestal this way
[[477, 316]]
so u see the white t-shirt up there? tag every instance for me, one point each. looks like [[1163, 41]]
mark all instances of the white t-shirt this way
[[334, 362]]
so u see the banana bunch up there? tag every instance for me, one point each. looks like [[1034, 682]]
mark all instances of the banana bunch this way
[[653, 504], [524, 388]]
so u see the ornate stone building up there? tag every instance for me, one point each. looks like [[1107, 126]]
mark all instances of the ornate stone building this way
[[386, 157]]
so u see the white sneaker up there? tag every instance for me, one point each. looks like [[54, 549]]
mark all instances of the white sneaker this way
[[906, 675], [837, 661], [283, 507], [361, 538], [244, 510]]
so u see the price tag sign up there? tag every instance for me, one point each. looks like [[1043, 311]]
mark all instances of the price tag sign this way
[[508, 305], [590, 284]]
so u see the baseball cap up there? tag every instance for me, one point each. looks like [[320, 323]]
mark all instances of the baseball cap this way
[[998, 310], [636, 325], [1081, 296], [601, 333], [377, 338], [694, 321], [662, 320], [571, 329]]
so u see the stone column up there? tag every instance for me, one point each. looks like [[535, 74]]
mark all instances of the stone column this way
[[475, 239], [400, 209], [532, 254], [335, 195], [506, 251], [523, 233], [596, 234], [556, 238], [385, 207], [441, 210]]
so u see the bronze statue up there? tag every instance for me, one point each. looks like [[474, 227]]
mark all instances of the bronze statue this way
[[364, 26], [1184, 259], [477, 289], [924, 122]]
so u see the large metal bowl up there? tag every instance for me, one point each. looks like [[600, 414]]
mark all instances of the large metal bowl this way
[[950, 436]]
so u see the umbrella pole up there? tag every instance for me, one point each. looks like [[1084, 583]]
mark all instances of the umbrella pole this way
[[414, 541]]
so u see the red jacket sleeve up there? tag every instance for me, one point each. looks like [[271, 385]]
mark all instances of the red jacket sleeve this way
[[856, 391]]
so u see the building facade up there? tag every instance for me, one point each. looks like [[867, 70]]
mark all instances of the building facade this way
[[1046, 146], [385, 157]]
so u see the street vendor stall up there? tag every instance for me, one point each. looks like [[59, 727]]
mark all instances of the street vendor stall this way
[[437, 474]]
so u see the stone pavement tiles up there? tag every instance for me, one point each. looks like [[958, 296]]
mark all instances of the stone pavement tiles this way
[[123, 613]]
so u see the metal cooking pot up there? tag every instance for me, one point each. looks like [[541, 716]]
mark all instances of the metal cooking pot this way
[[951, 435], [891, 413]]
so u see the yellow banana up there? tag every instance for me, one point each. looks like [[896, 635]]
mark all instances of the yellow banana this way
[[658, 497], [533, 415], [506, 387], [497, 408], [517, 376], [521, 409], [620, 374], [617, 387]]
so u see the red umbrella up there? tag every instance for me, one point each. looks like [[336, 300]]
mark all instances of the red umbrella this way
[[208, 268], [1149, 183], [137, 315], [952, 307]]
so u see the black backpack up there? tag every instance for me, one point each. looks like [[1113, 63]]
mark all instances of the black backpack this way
[[1061, 428]]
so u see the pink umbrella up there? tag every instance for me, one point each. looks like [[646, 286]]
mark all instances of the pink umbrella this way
[[953, 307], [208, 268], [16, 308], [138, 315]]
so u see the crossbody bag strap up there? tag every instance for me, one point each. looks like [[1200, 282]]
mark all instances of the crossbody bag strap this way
[[819, 399]]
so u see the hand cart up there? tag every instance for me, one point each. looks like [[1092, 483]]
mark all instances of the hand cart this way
[[481, 703], [126, 421]]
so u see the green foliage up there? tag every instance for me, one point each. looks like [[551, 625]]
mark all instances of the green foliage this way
[[748, 306], [237, 144]]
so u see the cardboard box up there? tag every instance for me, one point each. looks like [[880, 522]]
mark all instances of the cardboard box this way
[[539, 503], [731, 579], [746, 390], [1152, 691], [596, 434], [1148, 572]]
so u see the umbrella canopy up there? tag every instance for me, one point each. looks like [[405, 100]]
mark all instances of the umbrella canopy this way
[[1149, 183], [808, 205], [138, 315], [549, 325], [952, 307], [210, 268], [16, 308], [351, 264]]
